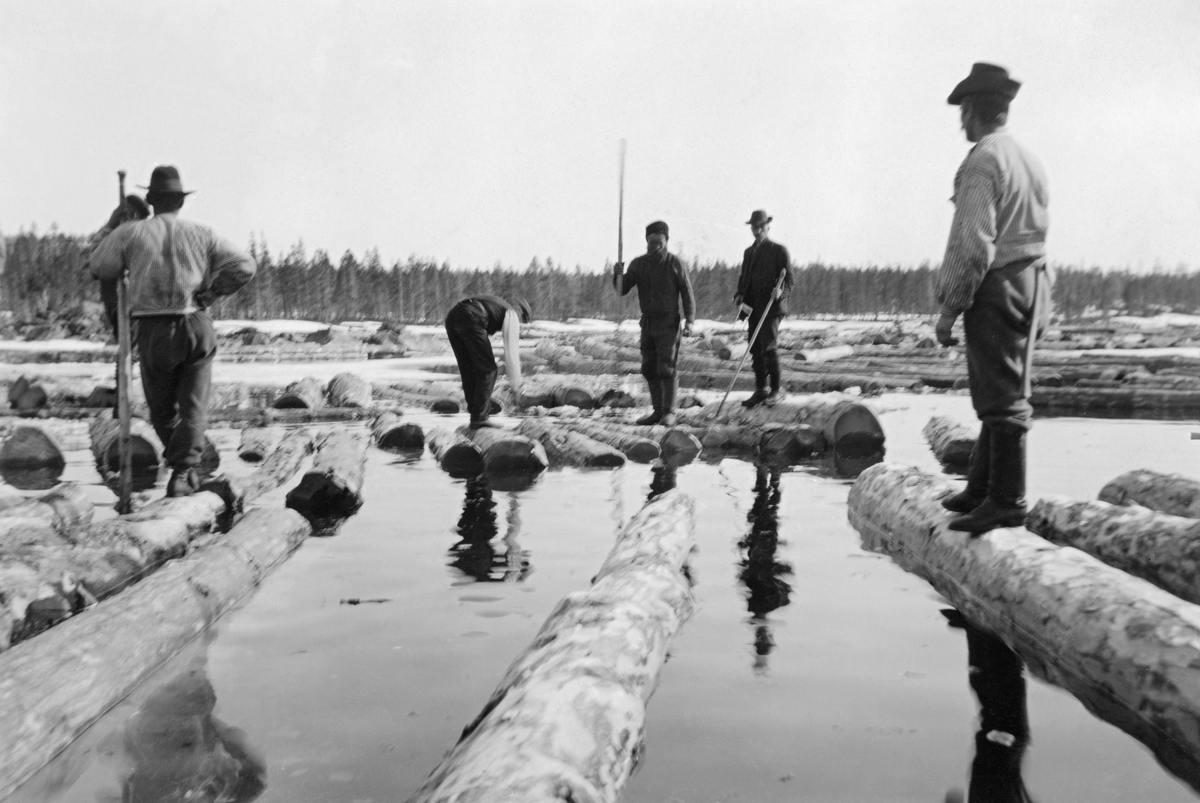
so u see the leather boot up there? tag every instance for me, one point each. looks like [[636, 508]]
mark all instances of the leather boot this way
[[771, 369], [670, 389], [760, 382], [970, 498], [656, 400], [1005, 502]]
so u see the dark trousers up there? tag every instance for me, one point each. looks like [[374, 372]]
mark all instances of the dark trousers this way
[[660, 347], [466, 326], [176, 354], [764, 351]]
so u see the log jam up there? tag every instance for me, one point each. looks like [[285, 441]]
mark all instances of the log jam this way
[[1166, 493]]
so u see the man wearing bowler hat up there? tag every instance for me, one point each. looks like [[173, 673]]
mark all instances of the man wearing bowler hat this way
[[763, 286], [176, 270], [993, 276], [663, 286]]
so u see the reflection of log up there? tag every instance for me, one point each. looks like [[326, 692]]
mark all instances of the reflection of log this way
[[1129, 651], [145, 448], [255, 443], [455, 453], [566, 448], [849, 427], [349, 390], [391, 432], [30, 447], [635, 447], [1166, 493], [505, 452], [825, 354], [951, 441], [567, 720], [790, 443], [307, 394], [333, 485], [1157, 547], [57, 685]]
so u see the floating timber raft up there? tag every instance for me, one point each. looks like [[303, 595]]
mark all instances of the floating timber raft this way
[[566, 448], [332, 487], [951, 442], [567, 720], [1128, 650], [53, 687], [1166, 493]]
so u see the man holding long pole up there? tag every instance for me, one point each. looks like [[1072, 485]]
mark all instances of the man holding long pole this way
[[762, 292]]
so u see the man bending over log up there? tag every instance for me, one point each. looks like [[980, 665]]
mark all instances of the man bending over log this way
[[177, 268], [468, 325], [990, 276], [663, 284]]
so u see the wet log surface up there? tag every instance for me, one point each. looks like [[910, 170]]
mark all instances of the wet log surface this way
[[790, 443], [392, 433], [279, 466], [306, 394], [1128, 650], [635, 447], [31, 447], [332, 487], [55, 686], [1166, 493], [349, 390], [951, 441], [506, 452], [565, 447], [567, 721], [256, 443], [458, 455]]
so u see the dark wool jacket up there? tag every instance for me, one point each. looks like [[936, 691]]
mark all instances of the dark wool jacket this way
[[760, 271], [494, 308], [662, 283]]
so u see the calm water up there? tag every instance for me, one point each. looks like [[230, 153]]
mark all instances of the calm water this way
[[812, 670]]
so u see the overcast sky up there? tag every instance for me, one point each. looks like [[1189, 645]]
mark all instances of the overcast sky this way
[[487, 131]]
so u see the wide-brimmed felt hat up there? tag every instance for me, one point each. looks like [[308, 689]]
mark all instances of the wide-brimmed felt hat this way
[[165, 179], [758, 217], [658, 227], [987, 79]]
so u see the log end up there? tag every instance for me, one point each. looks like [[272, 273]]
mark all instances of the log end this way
[[403, 438], [444, 406], [319, 497]]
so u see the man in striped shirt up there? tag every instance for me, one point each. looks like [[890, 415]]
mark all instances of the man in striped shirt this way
[[176, 270], [990, 276]]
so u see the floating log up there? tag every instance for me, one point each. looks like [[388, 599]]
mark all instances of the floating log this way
[[157, 532], [27, 396], [1166, 493], [729, 437], [677, 443], [505, 452], [567, 720], [951, 442], [349, 390], [31, 447], [635, 447], [567, 448], [443, 405], [256, 443], [280, 465], [391, 432], [332, 487], [825, 354], [65, 508], [54, 687], [307, 394], [1128, 650], [70, 436], [849, 427], [1116, 399], [145, 448], [456, 454], [790, 443]]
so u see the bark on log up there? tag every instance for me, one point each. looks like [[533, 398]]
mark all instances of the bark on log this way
[[54, 687], [849, 427], [256, 443], [635, 447], [505, 452], [70, 436], [825, 354], [458, 455], [65, 508], [727, 437], [145, 448], [950, 441], [30, 447], [280, 465], [1128, 650], [790, 443], [1166, 493], [307, 394], [392, 433], [333, 486], [567, 448], [349, 390], [568, 719]]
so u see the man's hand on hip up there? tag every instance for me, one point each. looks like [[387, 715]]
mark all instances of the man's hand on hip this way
[[687, 329], [943, 328]]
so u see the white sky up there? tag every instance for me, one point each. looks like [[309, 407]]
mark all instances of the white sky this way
[[487, 131]]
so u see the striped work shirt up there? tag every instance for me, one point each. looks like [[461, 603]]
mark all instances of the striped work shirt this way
[[175, 266], [1000, 216]]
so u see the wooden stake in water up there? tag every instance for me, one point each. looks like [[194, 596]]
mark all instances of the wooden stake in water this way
[[124, 369]]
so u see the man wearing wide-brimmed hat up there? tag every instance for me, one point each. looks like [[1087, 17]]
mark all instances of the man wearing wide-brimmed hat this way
[[176, 270], [763, 286], [992, 275]]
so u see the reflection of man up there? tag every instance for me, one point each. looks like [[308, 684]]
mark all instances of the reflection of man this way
[[760, 572], [474, 553], [663, 286], [764, 264], [468, 325], [990, 276]]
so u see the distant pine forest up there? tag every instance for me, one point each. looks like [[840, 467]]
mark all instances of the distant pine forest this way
[[45, 277]]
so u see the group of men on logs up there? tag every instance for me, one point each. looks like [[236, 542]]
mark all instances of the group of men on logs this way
[[993, 275]]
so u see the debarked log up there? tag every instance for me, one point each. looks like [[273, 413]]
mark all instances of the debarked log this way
[[567, 721], [145, 447], [332, 487], [392, 433], [1158, 547], [635, 447], [1128, 650], [458, 455], [566, 448], [349, 390], [505, 452], [256, 443], [55, 686], [306, 394], [951, 441], [825, 354], [1166, 493]]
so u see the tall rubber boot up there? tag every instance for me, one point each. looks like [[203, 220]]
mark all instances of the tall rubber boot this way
[[760, 382], [670, 389], [1005, 502], [977, 476], [656, 400], [771, 369]]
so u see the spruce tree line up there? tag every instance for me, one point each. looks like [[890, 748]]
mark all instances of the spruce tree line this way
[[44, 276]]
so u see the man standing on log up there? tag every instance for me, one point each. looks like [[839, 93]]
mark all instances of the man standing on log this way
[[760, 288], [176, 270], [663, 285], [468, 325], [990, 276]]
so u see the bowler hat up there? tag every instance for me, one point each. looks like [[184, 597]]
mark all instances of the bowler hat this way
[[985, 79], [758, 217], [165, 179], [658, 227]]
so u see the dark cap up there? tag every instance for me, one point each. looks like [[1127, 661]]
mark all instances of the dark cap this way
[[165, 179], [759, 217], [524, 310], [985, 79], [658, 227]]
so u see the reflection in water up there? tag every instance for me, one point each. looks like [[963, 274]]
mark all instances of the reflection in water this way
[[996, 676], [41, 478], [474, 554], [662, 479], [760, 572]]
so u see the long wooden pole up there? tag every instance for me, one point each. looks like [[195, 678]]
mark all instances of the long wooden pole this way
[[750, 345], [621, 209], [124, 369]]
